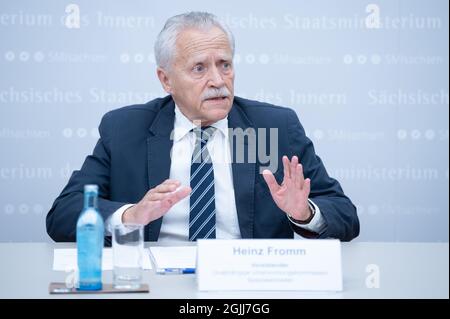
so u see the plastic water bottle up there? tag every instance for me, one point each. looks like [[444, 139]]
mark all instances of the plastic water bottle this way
[[90, 237]]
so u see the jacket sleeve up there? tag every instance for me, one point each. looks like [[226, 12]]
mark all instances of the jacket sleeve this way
[[62, 218], [337, 209]]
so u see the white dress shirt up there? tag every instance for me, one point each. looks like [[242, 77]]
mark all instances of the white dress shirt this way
[[175, 225]]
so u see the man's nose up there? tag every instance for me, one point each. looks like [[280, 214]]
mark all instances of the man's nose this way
[[215, 78]]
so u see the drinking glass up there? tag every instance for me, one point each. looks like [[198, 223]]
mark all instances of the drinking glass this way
[[128, 252]]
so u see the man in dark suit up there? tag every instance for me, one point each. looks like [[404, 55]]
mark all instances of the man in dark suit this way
[[194, 164]]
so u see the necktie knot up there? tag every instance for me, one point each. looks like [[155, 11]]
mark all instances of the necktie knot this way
[[203, 134]]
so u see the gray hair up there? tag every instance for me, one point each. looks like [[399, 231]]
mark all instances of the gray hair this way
[[165, 45]]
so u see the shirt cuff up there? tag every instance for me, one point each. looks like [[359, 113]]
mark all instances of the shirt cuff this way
[[116, 218], [317, 223]]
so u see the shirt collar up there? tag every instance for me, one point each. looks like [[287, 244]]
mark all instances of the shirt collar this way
[[183, 125]]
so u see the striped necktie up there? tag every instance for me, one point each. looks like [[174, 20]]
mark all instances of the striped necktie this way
[[202, 215]]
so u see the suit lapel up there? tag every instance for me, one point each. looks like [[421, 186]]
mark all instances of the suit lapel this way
[[243, 172], [159, 145]]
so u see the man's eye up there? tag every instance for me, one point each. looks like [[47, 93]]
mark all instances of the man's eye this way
[[227, 65], [198, 68]]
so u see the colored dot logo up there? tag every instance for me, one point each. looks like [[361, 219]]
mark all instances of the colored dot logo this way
[[9, 209], [10, 56], [81, 132], [415, 134], [23, 209], [24, 56], [264, 58], [39, 56], [138, 58], [124, 58], [430, 135], [375, 59], [402, 134], [348, 59], [67, 132], [362, 59], [250, 58]]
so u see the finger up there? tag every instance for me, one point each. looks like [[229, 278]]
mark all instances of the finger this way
[[301, 178], [166, 182], [270, 181], [297, 179], [156, 196], [173, 198], [182, 193], [171, 181], [307, 186], [293, 168], [161, 196], [168, 202], [165, 188], [287, 172]]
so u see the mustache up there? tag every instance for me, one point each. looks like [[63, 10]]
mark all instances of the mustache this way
[[211, 93]]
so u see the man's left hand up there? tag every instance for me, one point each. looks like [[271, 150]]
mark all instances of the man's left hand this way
[[292, 195]]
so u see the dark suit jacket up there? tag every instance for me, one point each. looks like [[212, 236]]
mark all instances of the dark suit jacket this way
[[133, 156]]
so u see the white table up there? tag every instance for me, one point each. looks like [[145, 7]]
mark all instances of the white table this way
[[407, 270]]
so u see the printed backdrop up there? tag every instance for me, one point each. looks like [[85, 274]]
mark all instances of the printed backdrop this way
[[368, 80]]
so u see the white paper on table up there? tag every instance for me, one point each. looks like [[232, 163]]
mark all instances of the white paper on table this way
[[174, 257], [65, 259]]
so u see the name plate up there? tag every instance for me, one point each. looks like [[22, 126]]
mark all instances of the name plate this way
[[272, 264]]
